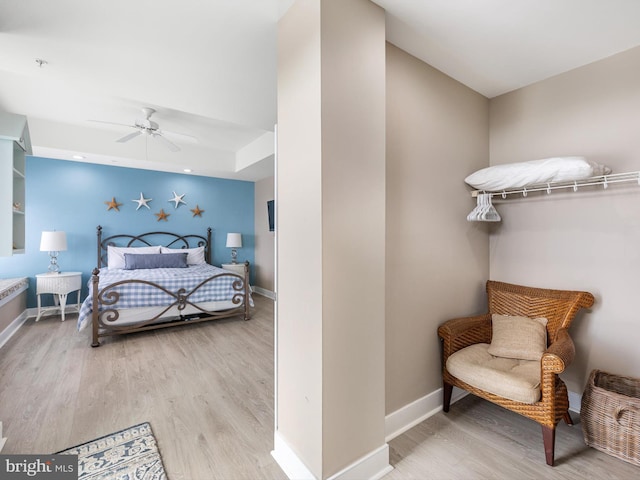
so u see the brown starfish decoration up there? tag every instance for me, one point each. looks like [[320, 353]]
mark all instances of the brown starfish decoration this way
[[113, 204], [197, 212], [162, 215]]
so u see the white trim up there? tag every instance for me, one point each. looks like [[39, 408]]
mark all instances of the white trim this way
[[398, 422], [575, 402], [372, 466], [264, 292], [12, 328], [289, 462]]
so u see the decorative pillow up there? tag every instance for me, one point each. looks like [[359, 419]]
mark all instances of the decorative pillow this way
[[195, 255], [134, 261], [518, 337], [115, 255]]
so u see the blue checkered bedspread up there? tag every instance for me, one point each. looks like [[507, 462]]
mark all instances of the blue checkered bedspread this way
[[133, 295]]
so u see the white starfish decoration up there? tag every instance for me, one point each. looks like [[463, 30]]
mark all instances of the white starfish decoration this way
[[178, 199], [142, 202]]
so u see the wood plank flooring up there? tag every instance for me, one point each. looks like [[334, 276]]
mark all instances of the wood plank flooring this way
[[207, 390], [479, 440]]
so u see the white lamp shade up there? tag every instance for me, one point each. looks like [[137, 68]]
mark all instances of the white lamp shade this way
[[234, 240], [53, 242]]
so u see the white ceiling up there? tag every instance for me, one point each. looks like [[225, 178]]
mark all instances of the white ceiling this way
[[209, 67]]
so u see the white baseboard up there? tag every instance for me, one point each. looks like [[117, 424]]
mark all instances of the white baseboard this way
[[398, 422], [417, 411], [289, 462], [264, 292], [12, 328], [575, 402], [372, 466]]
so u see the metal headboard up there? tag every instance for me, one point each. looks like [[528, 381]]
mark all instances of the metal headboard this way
[[166, 239]]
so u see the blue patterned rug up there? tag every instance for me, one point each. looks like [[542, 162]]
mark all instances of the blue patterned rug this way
[[131, 454]]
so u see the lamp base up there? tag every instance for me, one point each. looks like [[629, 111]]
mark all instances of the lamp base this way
[[234, 255], [53, 263]]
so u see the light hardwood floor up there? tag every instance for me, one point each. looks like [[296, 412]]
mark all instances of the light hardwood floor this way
[[479, 440], [207, 390]]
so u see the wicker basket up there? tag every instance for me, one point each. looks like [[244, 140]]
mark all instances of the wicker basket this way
[[610, 415]]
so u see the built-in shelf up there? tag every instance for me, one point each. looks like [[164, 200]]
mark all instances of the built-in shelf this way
[[485, 212], [15, 144], [575, 185]]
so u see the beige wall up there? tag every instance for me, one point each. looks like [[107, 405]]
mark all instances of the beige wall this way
[[436, 261], [299, 196], [264, 244], [584, 240], [331, 197], [353, 229]]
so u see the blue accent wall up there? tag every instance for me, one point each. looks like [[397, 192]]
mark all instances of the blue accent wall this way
[[70, 196]]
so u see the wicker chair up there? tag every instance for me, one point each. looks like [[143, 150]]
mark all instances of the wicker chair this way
[[559, 307]]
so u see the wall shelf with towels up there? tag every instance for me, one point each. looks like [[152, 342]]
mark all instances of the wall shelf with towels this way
[[602, 180]]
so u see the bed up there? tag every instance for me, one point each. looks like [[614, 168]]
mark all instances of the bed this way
[[157, 280]]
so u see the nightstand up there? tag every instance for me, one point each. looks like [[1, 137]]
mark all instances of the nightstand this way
[[235, 267], [60, 285]]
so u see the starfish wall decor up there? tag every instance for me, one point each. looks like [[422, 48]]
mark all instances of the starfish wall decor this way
[[162, 215], [142, 202], [197, 212], [113, 204], [177, 199]]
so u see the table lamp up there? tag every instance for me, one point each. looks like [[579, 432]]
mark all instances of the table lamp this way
[[234, 241], [53, 242]]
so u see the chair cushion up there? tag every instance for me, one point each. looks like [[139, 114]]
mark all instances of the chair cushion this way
[[518, 337], [515, 379]]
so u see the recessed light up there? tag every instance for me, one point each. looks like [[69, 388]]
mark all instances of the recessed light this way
[[187, 170], [78, 157]]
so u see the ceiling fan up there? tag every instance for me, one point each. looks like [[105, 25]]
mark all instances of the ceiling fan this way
[[150, 128]]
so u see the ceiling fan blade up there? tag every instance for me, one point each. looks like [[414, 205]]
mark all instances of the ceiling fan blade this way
[[128, 137], [170, 145], [113, 123], [182, 136]]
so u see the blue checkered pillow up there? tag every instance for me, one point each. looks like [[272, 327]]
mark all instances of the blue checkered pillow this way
[[134, 261]]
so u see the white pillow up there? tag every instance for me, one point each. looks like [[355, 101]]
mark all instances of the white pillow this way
[[518, 175], [195, 255], [115, 255]]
